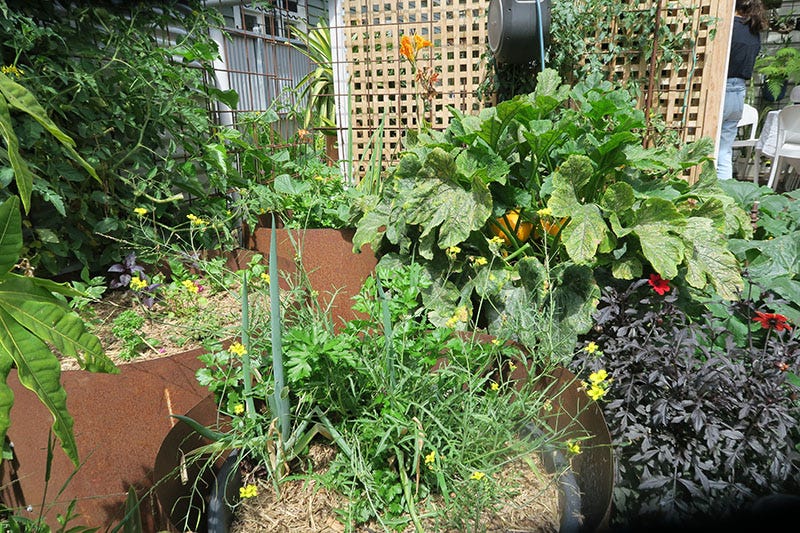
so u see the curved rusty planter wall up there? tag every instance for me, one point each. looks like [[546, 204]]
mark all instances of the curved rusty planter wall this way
[[121, 420], [573, 416]]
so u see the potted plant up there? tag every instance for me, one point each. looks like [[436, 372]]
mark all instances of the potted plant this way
[[422, 418], [779, 70]]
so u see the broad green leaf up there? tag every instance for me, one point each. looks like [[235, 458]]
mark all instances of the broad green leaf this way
[[24, 176], [448, 207], [10, 234], [575, 298], [662, 248], [19, 98], [583, 233], [38, 370], [659, 211], [534, 277], [618, 197], [562, 201], [53, 322], [6, 395], [778, 256], [627, 268], [371, 227], [708, 259]]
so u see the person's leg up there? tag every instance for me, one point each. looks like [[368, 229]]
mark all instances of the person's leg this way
[[731, 114]]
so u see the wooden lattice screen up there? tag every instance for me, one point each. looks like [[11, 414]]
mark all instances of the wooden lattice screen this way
[[688, 95], [382, 83]]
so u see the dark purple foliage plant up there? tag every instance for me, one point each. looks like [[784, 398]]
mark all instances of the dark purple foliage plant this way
[[703, 424]]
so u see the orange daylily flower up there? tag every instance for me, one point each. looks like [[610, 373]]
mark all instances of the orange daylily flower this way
[[421, 42], [406, 48]]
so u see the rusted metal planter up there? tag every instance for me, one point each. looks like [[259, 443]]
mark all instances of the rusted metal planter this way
[[573, 416], [326, 255], [120, 422]]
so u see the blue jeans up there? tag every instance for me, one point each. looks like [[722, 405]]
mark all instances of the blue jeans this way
[[731, 113]]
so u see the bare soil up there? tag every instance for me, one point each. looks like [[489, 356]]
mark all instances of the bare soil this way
[[305, 505], [217, 316]]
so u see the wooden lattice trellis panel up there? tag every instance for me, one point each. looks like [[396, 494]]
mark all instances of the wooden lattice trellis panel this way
[[686, 92], [382, 82]]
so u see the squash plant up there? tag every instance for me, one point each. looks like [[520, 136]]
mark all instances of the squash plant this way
[[35, 324], [571, 161]]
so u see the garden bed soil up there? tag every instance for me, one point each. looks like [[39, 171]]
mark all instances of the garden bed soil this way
[[305, 505], [217, 319]]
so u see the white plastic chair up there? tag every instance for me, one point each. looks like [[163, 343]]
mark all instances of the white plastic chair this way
[[788, 141], [749, 118], [794, 96]]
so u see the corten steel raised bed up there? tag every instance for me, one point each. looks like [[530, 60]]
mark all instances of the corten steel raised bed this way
[[333, 270], [120, 422], [573, 415]]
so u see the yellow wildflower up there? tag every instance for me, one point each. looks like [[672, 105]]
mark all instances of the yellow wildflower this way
[[452, 252], [573, 447], [11, 69], [190, 286], [430, 458], [420, 42], [265, 277], [195, 220], [138, 284], [248, 491], [546, 212], [596, 392], [238, 409], [494, 386], [477, 476], [590, 348], [141, 211], [237, 348], [406, 48], [512, 366], [479, 261], [595, 378]]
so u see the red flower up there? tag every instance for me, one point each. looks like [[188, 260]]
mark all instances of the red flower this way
[[772, 320], [659, 284]]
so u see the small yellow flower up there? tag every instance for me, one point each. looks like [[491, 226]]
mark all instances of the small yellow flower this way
[[452, 252], [546, 212], [477, 476], [238, 409], [595, 378], [248, 491], [496, 342], [494, 386], [596, 392], [548, 405], [430, 458], [237, 348], [479, 261], [573, 447], [138, 284], [195, 220], [265, 278], [11, 69], [141, 211], [590, 348], [190, 286], [512, 366]]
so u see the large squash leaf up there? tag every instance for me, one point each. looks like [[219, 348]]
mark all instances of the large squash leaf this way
[[708, 259]]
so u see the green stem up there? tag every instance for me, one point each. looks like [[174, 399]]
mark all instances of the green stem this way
[[281, 402], [247, 380], [412, 510]]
